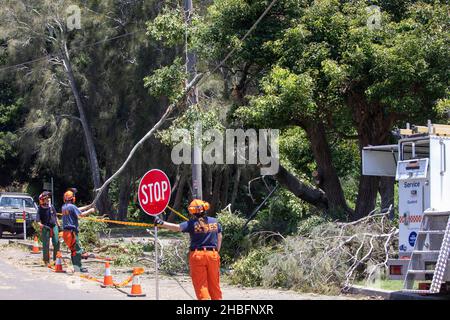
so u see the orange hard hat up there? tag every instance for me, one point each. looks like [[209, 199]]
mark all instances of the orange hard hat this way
[[69, 196], [198, 206]]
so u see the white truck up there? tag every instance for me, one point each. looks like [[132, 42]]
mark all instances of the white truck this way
[[419, 163], [12, 208]]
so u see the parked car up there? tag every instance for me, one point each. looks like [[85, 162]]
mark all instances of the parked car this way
[[12, 206]]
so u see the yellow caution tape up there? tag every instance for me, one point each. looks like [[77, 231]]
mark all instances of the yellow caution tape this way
[[125, 223], [89, 277], [177, 213], [134, 224], [115, 284]]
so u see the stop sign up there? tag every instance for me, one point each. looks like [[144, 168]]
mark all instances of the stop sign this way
[[154, 192]]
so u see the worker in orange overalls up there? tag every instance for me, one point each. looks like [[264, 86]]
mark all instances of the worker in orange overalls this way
[[204, 260], [70, 214]]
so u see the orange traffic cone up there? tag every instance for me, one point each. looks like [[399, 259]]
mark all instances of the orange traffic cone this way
[[35, 248], [58, 264], [107, 279], [136, 290]]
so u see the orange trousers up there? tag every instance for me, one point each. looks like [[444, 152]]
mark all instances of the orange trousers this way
[[205, 273]]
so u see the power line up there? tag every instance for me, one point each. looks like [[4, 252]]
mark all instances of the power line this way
[[72, 50], [108, 39], [134, 32], [25, 63]]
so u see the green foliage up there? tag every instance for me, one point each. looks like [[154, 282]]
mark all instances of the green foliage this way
[[167, 81], [306, 226], [282, 214], [287, 99], [227, 21], [235, 239], [168, 27], [443, 108], [126, 254], [8, 141], [90, 232], [208, 119], [247, 271], [37, 230], [9, 114]]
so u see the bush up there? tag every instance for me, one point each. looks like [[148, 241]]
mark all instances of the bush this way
[[235, 241], [90, 232], [282, 214], [126, 254], [306, 226], [247, 271]]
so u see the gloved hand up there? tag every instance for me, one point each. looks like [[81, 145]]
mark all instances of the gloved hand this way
[[158, 221]]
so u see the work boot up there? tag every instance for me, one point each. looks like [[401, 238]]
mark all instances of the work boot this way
[[85, 256], [80, 269]]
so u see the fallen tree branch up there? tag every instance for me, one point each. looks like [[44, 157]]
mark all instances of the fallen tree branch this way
[[333, 255], [166, 114]]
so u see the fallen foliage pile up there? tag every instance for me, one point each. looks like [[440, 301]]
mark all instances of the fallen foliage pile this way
[[329, 259]]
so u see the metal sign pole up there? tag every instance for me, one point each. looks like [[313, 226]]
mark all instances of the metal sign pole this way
[[53, 199], [24, 222], [156, 263]]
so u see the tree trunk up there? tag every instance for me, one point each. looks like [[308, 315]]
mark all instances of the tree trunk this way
[[225, 186], [103, 204], [237, 178], [179, 193], [207, 194], [373, 126], [367, 196], [315, 197], [329, 180], [215, 199], [124, 197], [386, 190]]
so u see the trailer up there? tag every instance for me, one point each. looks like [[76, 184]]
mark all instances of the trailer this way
[[419, 163]]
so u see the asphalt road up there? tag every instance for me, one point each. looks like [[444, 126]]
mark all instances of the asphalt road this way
[[17, 284]]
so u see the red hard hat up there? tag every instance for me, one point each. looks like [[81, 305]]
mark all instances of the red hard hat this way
[[43, 196]]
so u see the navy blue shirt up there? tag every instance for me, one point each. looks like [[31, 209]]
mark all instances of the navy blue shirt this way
[[46, 216], [70, 215], [203, 232]]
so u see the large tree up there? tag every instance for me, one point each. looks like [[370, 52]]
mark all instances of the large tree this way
[[322, 67], [336, 73], [85, 92]]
